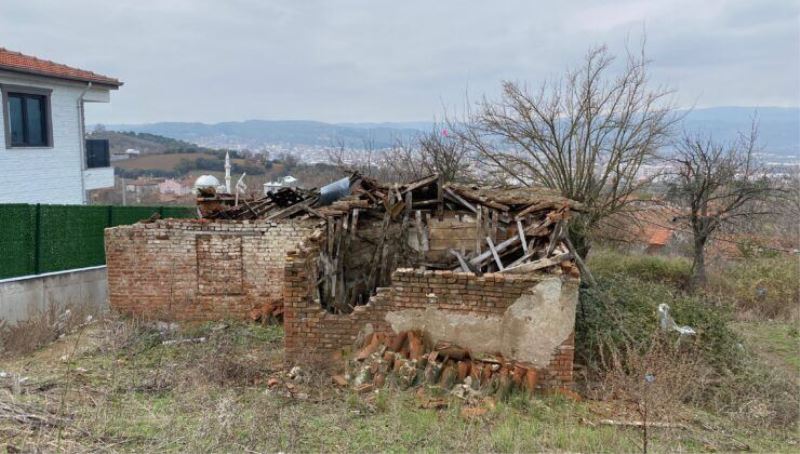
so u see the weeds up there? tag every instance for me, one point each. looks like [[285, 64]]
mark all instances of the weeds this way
[[42, 327], [200, 408], [759, 287]]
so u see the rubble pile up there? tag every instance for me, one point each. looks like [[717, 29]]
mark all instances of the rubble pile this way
[[371, 228], [407, 360]]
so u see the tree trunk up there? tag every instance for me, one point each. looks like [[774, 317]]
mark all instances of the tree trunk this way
[[699, 262], [577, 234]]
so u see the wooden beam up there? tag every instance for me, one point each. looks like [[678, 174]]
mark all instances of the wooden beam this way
[[555, 236], [460, 200], [422, 182], [494, 217], [440, 197], [422, 239], [291, 210], [521, 233], [376, 256], [541, 206], [483, 201], [539, 264], [353, 224], [478, 229], [494, 253], [586, 275], [480, 258], [461, 261]]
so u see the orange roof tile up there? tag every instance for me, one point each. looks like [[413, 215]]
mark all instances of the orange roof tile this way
[[15, 61], [659, 237]]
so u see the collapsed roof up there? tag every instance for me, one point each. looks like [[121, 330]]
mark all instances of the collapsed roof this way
[[372, 228]]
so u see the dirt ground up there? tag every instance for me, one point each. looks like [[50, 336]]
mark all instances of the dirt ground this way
[[122, 386]]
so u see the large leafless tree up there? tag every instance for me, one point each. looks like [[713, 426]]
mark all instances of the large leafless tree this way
[[586, 134], [721, 185]]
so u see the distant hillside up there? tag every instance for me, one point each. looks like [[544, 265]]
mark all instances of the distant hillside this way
[[258, 133], [119, 141], [779, 127], [780, 130]]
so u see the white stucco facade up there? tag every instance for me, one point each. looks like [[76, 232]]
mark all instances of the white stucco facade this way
[[56, 174]]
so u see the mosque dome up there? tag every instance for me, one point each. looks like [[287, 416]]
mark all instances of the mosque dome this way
[[206, 181]]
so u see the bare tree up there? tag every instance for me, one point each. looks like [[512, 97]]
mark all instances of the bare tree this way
[[365, 160], [587, 134], [436, 151], [720, 184]]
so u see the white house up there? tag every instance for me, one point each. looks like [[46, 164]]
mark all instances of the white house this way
[[43, 154], [284, 182]]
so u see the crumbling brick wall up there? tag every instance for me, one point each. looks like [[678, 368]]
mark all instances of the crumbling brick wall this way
[[196, 270], [313, 334]]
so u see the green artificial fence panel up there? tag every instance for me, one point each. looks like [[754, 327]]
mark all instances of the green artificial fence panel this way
[[17, 240], [131, 215], [42, 238]]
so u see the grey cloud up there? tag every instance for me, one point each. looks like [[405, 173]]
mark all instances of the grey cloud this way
[[360, 60]]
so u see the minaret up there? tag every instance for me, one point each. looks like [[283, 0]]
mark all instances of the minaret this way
[[227, 172]]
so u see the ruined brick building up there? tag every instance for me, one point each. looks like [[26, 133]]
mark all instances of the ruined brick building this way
[[488, 270]]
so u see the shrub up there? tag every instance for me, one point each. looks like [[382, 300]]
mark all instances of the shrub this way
[[620, 313], [765, 286], [651, 268], [617, 337]]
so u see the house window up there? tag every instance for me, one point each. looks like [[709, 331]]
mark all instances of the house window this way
[[27, 118]]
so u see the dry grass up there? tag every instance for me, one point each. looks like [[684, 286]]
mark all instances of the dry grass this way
[[43, 327], [117, 386]]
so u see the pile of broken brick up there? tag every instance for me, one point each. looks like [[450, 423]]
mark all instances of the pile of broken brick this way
[[406, 360]]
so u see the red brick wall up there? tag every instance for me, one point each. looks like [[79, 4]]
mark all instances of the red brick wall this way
[[312, 334], [194, 270]]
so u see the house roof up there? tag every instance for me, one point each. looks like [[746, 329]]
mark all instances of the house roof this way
[[18, 62], [658, 236]]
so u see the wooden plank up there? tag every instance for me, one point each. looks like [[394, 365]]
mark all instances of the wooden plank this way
[[342, 246], [555, 236], [290, 210], [461, 261], [522, 259], [330, 238], [440, 196], [586, 275], [539, 264], [483, 201], [316, 213], [499, 248], [521, 233], [353, 224], [478, 229], [494, 253], [458, 199], [422, 239], [376, 256], [540, 206], [494, 215], [422, 182]]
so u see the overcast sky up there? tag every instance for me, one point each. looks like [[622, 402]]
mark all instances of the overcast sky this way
[[372, 60]]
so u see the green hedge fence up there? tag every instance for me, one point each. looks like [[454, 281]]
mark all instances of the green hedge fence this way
[[42, 238]]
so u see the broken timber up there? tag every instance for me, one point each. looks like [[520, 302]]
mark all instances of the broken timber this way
[[509, 230]]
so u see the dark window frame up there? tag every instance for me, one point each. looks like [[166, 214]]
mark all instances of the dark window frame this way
[[47, 117]]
